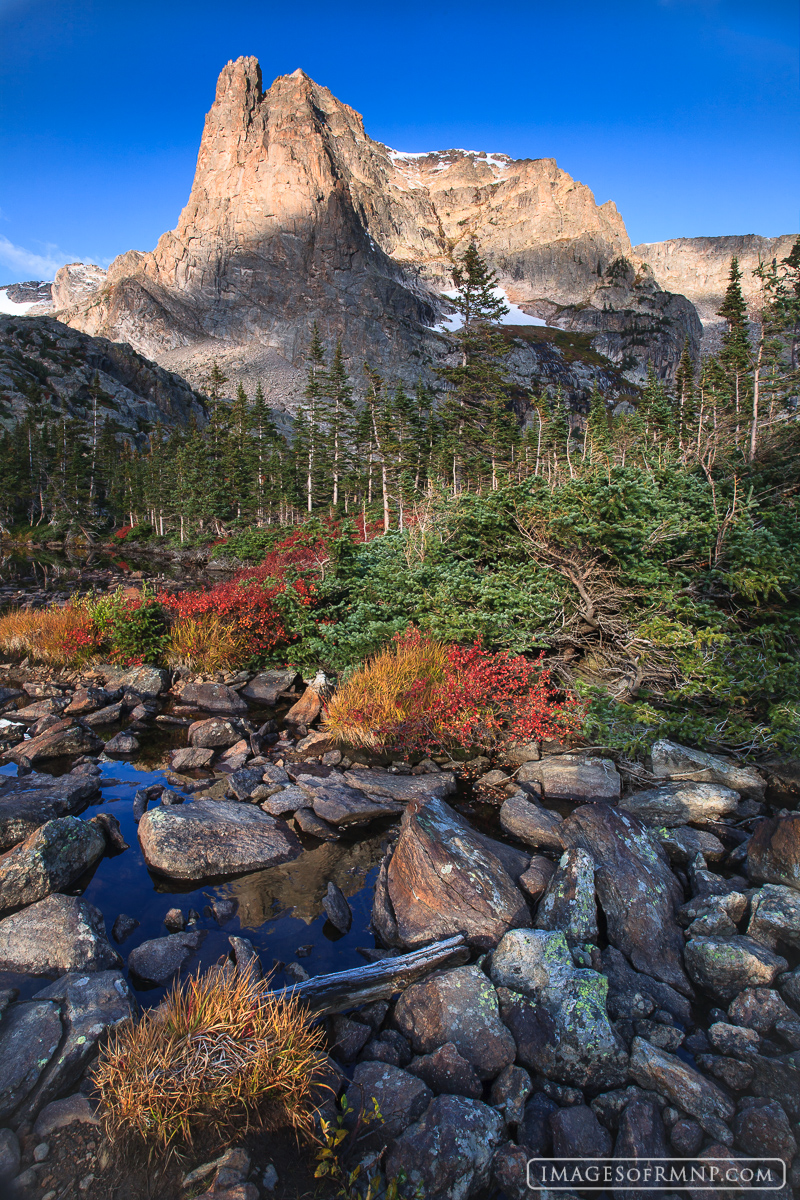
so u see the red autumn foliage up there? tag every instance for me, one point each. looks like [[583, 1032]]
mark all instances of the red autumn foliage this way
[[122, 533], [420, 695]]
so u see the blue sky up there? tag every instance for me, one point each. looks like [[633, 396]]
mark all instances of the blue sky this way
[[684, 112]]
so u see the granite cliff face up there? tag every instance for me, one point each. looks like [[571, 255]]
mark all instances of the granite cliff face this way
[[296, 215], [698, 268]]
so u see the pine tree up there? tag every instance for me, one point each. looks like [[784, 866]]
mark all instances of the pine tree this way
[[735, 357], [477, 398], [338, 415], [598, 434]]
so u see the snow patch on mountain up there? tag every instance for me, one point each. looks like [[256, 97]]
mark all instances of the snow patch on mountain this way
[[514, 316]]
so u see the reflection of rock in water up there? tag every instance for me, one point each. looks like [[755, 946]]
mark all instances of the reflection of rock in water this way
[[300, 885]]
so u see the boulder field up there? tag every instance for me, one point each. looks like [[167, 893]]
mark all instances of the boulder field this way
[[627, 974]]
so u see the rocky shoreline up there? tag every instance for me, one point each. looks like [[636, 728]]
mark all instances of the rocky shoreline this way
[[627, 980]]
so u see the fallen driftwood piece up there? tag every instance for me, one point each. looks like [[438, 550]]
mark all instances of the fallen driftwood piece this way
[[342, 990]]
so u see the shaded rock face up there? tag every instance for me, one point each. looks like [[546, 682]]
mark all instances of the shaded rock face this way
[[296, 215], [448, 1152], [30, 800], [208, 838], [158, 960], [635, 888], [443, 879], [687, 1089], [773, 853], [66, 362]]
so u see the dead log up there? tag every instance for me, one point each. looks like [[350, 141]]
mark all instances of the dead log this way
[[343, 990]]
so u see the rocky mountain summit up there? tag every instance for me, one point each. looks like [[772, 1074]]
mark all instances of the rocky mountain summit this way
[[296, 215]]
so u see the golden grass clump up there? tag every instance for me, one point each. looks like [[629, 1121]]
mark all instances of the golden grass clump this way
[[206, 644], [220, 1050], [61, 636], [391, 689]]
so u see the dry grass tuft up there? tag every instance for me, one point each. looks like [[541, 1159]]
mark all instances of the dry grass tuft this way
[[392, 688], [221, 1050], [206, 644], [61, 636]]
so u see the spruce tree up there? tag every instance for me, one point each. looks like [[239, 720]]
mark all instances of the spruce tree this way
[[735, 357], [338, 415]]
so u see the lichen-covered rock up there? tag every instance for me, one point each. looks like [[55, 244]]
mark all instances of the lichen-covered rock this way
[[209, 838], [569, 903], [54, 935], [29, 1037], [725, 967], [658, 1071], [146, 681], [535, 878], [403, 788], [265, 689], [634, 994], [49, 860], [448, 1153], [763, 1130], [676, 803], [775, 916], [713, 916], [458, 1006], [635, 887], [510, 1092], [668, 760], [442, 879], [556, 1011], [212, 697], [401, 1097]]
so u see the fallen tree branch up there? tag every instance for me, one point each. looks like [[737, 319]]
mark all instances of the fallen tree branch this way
[[376, 981]]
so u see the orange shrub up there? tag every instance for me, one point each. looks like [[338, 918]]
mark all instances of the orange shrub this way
[[61, 636], [206, 643], [419, 695]]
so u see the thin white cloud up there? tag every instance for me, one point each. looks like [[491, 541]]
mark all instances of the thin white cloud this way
[[39, 266]]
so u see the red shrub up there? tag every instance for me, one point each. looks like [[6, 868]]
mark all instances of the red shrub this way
[[419, 695]]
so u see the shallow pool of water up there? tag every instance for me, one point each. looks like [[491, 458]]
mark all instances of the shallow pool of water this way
[[279, 910]]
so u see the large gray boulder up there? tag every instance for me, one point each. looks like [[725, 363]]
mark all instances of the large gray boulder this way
[[444, 878], [669, 760], [448, 1153], [54, 935], [573, 777], [635, 887], [28, 801], [458, 1006], [29, 1037], [556, 1011], [210, 838], [676, 804], [49, 860]]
